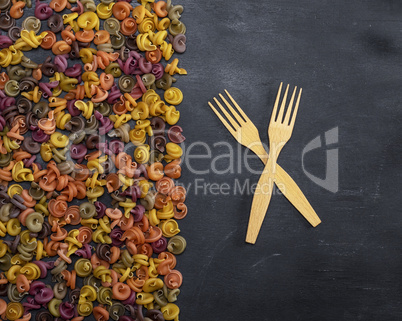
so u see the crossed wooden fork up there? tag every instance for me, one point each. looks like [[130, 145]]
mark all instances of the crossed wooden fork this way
[[279, 132]]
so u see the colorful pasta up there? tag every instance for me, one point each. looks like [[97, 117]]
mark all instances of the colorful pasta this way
[[69, 132]]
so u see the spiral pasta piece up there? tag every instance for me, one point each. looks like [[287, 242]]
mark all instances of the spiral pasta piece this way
[[173, 96]]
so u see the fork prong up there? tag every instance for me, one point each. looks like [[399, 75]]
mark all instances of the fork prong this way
[[282, 109], [230, 118], [224, 122], [238, 107], [273, 116], [289, 110], [234, 113], [292, 122]]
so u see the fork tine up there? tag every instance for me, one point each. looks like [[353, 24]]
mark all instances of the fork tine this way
[[282, 109], [224, 122], [238, 107], [296, 109], [273, 116], [230, 118], [234, 113], [289, 110]]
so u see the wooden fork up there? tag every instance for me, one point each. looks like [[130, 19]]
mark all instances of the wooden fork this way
[[245, 132], [279, 132]]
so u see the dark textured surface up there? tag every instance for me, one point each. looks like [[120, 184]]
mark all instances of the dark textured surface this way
[[346, 55]]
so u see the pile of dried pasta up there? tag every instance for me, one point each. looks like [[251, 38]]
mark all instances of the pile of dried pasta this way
[[89, 157]]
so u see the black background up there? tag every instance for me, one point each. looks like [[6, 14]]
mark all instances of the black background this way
[[347, 57]]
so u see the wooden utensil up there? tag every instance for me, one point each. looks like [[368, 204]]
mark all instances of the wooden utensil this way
[[279, 132], [245, 132]]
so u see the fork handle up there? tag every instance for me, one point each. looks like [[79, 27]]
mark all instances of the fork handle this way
[[289, 188], [261, 200], [294, 194]]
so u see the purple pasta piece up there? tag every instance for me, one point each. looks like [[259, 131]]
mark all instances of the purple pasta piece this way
[[155, 315], [120, 63], [5, 42], [175, 134], [43, 266], [31, 234], [158, 125], [130, 300], [53, 84], [18, 201], [157, 142], [129, 66], [106, 123], [134, 191], [144, 65], [61, 62], [85, 251], [140, 84], [39, 136], [29, 161], [30, 305], [74, 71], [44, 295], [116, 146], [6, 102], [15, 212], [133, 64], [42, 10], [114, 94], [116, 235], [2, 123], [67, 310], [138, 212], [158, 70], [104, 148], [78, 152], [46, 92], [136, 93], [108, 165], [100, 209], [138, 313], [46, 228], [141, 170], [135, 54], [74, 296], [74, 111], [159, 245], [13, 244], [4, 198], [36, 286]]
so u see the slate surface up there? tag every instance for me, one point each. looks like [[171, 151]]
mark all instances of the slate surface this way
[[347, 57]]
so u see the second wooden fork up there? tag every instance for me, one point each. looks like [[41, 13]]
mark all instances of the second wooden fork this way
[[279, 132]]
